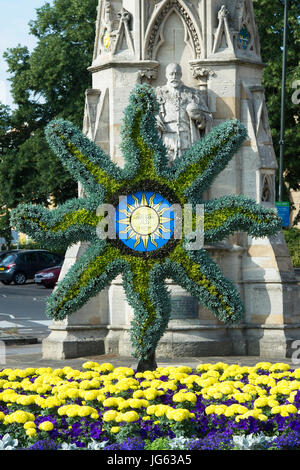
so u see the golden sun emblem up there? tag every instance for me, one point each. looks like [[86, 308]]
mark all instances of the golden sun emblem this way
[[148, 219]]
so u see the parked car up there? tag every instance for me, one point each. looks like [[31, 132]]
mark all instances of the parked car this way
[[48, 277], [5, 253], [24, 264]]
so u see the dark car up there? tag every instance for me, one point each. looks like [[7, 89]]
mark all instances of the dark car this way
[[48, 277], [23, 265], [3, 254]]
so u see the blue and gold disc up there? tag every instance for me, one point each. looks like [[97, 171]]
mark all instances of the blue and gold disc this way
[[144, 221]]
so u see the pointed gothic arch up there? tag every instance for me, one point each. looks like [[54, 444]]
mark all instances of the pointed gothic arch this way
[[154, 34]]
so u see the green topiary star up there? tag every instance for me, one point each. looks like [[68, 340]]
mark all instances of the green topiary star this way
[[145, 175]]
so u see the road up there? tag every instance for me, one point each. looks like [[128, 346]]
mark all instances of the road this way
[[22, 309]]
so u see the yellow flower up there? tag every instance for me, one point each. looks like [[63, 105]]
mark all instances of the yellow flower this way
[[29, 425], [86, 411], [178, 414], [138, 393], [136, 403], [130, 416], [30, 432], [115, 429], [20, 417], [150, 394], [111, 402], [261, 402], [279, 366], [110, 415], [46, 426]]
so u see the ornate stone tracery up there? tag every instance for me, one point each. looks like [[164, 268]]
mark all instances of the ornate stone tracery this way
[[155, 28]]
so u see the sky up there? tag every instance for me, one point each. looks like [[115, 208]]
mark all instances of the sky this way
[[14, 18]]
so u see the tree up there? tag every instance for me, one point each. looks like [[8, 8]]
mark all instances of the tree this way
[[47, 83], [270, 19], [5, 231]]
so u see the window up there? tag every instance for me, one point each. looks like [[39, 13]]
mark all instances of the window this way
[[8, 259], [29, 258], [47, 258]]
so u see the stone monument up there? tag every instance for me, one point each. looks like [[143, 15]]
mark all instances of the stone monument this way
[[215, 74]]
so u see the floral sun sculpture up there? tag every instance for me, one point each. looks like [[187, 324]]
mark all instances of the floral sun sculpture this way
[[145, 250]]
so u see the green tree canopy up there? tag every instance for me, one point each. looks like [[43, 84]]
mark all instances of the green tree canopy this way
[[270, 20], [47, 83]]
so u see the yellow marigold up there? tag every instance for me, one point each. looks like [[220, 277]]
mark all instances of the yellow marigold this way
[[52, 402], [170, 385], [296, 373], [272, 402], [130, 416], [151, 394], [279, 366], [29, 425], [187, 396], [31, 432], [254, 413], [178, 414], [115, 429], [86, 411], [262, 417], [261, 402], [263, 365], [127, 371], [151, 409], [73, 393], [138, 394], [276, 409], [235, 409], [291, 408], [136, 403], [161, 410], [20, 417], [242, 397], [211, 409], [101, 397], [90, 365], [111, 402], [110, 415]]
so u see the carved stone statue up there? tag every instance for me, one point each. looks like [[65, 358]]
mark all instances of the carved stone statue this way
[[183, 114]]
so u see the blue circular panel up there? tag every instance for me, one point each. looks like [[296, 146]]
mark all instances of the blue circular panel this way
[[144, 221]]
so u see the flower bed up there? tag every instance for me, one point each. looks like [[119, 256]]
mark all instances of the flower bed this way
[[216, 406]]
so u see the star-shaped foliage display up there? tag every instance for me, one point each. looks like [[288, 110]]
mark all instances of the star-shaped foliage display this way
[[147, 253]]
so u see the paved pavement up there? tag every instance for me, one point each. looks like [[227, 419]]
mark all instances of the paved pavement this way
[[22, 313], [31, 356], [23, 325]]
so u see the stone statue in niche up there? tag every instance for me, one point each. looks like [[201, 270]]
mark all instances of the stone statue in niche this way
[[267, 192], [183, 114], [106, 27]]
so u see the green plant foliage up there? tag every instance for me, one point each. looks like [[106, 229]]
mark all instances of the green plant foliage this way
[[292, 238], [146, 166]]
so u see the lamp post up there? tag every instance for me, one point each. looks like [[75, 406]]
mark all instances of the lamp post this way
[[282, 124]]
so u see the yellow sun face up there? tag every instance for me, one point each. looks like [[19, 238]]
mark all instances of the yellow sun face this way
[[148, 222]]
